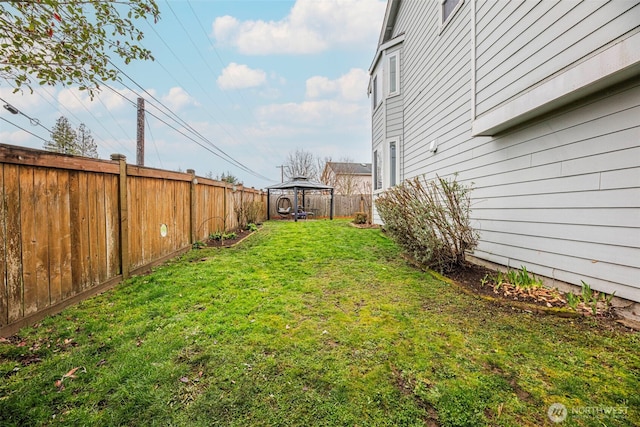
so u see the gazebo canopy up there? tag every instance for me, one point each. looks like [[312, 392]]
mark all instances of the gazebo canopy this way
[[298, 183]]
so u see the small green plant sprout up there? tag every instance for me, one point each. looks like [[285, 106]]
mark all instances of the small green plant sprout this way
[[587, 293], [591, 299], [573, 300], [485, 280], [252, 227], [608, 299], [512, 277], [228, 236], [198, 245], [217, 235]]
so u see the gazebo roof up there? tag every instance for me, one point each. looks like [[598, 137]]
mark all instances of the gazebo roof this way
[[302, 183]]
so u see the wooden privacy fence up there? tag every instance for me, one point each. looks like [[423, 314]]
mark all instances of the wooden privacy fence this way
[[71, 227], [343, 205]]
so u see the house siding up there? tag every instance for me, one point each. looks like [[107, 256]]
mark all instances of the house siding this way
[[437, 83], [519, 44], [559, 194]]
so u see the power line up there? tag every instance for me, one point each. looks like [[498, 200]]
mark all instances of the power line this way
[[173, 116], [182, 123], [213, 72], [14, 110], [21, 128]]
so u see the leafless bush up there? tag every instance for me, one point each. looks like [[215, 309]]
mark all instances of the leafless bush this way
[[253, 211], [430, 220]]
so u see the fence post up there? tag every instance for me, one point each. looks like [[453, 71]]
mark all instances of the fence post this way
[[192, 207], [123, 205]]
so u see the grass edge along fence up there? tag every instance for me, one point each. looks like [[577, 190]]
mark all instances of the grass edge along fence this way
[[71, 227]]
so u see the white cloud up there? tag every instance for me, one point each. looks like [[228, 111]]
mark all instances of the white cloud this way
[[312, 26], [238, 76], [73, 99], [314, 113], [17, 137], [178, 98], [114, 100], [28, 102], [350, 87]]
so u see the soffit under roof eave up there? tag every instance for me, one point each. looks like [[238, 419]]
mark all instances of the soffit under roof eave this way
[[389, 21]]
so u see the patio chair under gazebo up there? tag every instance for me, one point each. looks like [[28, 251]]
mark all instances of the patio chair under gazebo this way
[[299, 184]]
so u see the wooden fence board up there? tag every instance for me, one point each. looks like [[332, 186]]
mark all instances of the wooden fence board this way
[[41, 194], [112, 243], [27, 222], [135, 223], [76, 230], [15, 290], [92, 227], [101, 236], [53, 231], [64, 230], [85, 198], [4, 306]]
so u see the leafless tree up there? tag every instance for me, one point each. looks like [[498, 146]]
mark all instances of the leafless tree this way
[[301, 163]]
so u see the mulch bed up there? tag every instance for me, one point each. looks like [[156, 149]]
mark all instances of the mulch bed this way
[[541, 301], [227, 243], [471, 277]]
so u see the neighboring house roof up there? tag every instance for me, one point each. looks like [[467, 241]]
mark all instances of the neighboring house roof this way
[[343, 168]]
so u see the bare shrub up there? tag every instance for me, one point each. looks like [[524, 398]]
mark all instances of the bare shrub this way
[[430, 220], [253, 212]]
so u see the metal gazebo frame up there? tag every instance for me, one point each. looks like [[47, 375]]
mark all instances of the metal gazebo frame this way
[[298, 183]]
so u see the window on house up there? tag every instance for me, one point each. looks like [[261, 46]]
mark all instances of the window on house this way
[[377, 170], [375, 91], [393, 74], [448, 7], [393, 162]]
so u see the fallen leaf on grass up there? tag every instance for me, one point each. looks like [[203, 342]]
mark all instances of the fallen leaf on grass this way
[[184, 380], [71, 374]]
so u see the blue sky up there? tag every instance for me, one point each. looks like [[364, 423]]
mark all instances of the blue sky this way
[[257, 78]]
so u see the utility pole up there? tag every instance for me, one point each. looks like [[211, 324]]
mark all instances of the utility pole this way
[[140, 135], [281, 172]]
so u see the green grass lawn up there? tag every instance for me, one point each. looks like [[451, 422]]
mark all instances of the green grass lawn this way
[[314, 323]]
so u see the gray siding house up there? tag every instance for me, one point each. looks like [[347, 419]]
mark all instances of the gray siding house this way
[[535, 103]]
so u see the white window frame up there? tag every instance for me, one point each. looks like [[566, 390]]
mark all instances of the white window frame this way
[[377, 170], [376, 90], [393, 169], [445, 21], [396, 56]]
